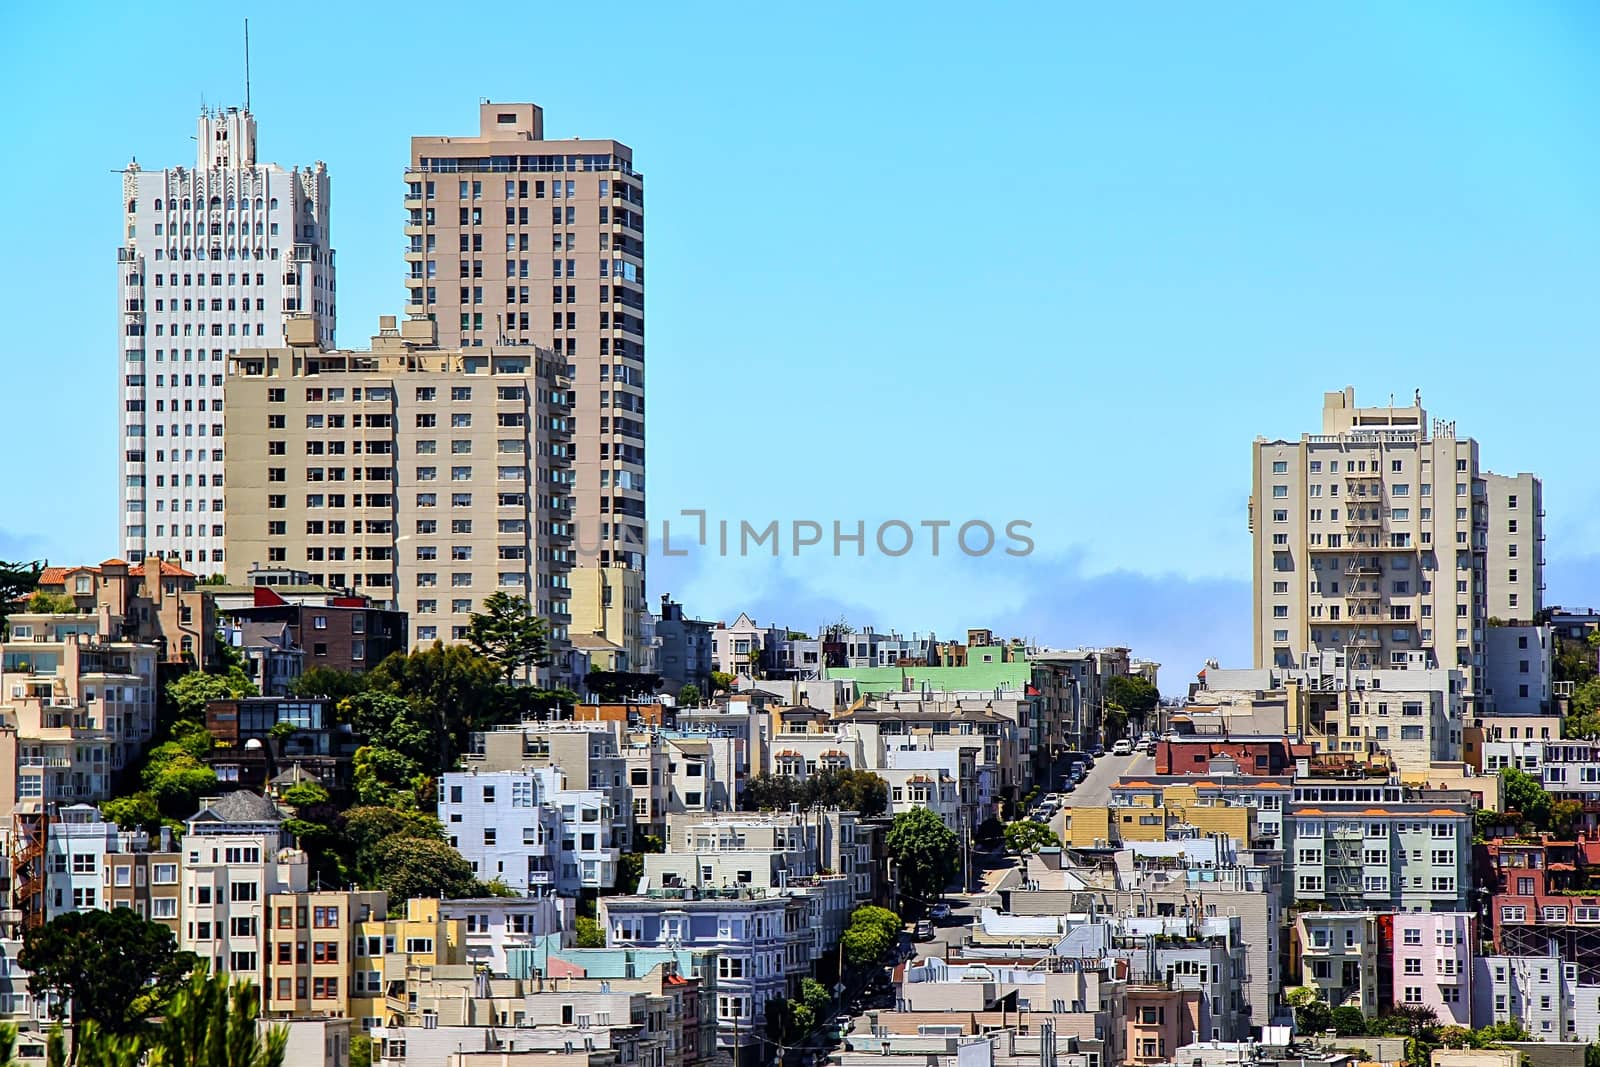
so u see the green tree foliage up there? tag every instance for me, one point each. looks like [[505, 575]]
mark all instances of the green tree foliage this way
[[113, 967], [1348, 1021], [452, 691], [176, 778], [138, 811], [360, 1051], [990, 831], [1133, 694], [1583, 712], [689, 696], [410, 867], [1311, 1016], [43, 603], [870, 935], [194, 690], [850, 790], [721, 682], [925, 852], [1030, 835], [588, 933], [211, 1022], [508, 634], [327, 682], [400, 753], [18, 581], [1525, 795], [363, 830]]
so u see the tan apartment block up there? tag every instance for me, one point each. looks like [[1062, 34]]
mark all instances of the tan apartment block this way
[[311, 949], [1370, 539], [514, 239], [425, 478]]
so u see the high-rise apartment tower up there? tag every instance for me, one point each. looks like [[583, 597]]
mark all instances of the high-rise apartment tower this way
[[513, 239], [1371, 538], [214, 259]]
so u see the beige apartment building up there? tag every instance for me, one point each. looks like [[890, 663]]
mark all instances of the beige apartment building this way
[[423, 477], [1371, 538], [1516, 547], [516, 240]]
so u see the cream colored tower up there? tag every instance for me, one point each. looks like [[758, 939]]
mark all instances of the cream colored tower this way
[[1370, 538], [514, 239]]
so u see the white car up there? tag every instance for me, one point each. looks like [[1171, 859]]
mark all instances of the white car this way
[[1123, 747]]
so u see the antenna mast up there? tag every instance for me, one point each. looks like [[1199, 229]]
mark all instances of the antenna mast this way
[[247, 65]]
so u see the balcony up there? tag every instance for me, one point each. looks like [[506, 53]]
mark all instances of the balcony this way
[[1364, 569]]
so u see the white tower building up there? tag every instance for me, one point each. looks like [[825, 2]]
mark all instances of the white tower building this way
[[213, 259]]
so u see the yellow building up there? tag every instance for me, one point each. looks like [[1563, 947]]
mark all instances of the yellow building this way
[[608, 602], [1146, 819], [311, 945], [386, 947]]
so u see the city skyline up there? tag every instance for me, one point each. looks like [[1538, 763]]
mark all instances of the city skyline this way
[[1420, 227]]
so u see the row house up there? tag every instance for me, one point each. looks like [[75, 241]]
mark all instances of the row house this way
[[1432, 964], [1338, 954], [1379, 845], [338, 630], [691, 975], [1071, 684], [92, 864], [1570, 770], [588, 754], [1183, 887], [817, 855], [391, 950], [493, 927], [1541, 992], [1083, 998], [81, 702], [155, 602], [312, 944], [762, 936], [1544, 896], [1220, 788], [528, 829], [1268, 756]]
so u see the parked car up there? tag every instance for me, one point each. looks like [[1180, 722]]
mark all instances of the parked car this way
[[1123, 747], [940, 912], [1098, 750], [1069, 785], [924, 930]]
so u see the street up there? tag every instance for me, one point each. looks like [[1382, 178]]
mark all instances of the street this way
[[1095, 789]]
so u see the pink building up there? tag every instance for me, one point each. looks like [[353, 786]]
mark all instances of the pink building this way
[[1433, 964], [1161, 1020]]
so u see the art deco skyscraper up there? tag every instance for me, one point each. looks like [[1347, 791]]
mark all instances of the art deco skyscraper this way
[[514, 239], [214, 259]]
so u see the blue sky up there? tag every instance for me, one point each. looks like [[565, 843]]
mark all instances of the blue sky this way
[[1056, 263]]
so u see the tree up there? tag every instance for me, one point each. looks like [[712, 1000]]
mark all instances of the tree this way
[[17, 581], [136, 812], [176, 778], [452, 690], [721, 682], [360, 1050], [589, 934], [409, 867], [1030, 835], [45, 603], [364, 829], [1348, 1021], [211, 1022], [1137, 698], [850, 790], [1525, 795], [1311, 1016], [871, 933], [508, 634], [327, 682], [114, 967], [989, 832], [689, 696], [195, 690], [925, 852]]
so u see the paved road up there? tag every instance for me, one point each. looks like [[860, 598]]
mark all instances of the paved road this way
[[1095, 790]]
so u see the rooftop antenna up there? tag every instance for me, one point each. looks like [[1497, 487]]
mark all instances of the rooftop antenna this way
[[247, 66]]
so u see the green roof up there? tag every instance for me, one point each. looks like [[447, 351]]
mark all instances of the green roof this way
[[978, 677]]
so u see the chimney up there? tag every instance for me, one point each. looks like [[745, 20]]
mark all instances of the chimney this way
[[152, 580]]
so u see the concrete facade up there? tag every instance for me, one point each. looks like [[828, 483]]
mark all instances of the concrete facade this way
[[214, 258]]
